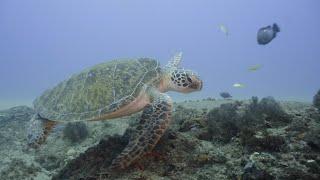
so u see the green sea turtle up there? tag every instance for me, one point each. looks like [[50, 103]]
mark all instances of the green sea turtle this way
[[115, 89]]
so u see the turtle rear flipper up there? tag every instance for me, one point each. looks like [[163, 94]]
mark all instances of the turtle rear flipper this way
[[153, 123], [38, 130]]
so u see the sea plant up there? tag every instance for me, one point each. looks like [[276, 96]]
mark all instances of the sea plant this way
[[236, 118], [75, 131], [222, 122], [271, 108], [267, 110]]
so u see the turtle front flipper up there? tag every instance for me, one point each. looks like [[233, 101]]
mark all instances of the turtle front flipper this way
[[38, 130], [153, 123]]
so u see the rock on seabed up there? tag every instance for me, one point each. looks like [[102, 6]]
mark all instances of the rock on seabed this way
[[287, 149]]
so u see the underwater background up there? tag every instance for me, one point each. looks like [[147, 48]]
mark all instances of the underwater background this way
[[256, 117], [43, 43]]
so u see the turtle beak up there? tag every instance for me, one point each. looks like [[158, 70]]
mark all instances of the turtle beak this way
[[196, 85]]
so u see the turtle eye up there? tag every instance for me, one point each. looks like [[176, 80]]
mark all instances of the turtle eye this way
[[189, 79]]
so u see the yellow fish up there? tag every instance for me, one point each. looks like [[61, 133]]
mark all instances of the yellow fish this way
[[238, 85], [255, 67], [224, 29]]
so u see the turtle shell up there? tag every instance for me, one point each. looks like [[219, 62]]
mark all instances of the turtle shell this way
[[98, 90]]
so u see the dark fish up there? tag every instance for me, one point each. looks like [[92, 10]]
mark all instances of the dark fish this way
[[225, 95], [266, 34]]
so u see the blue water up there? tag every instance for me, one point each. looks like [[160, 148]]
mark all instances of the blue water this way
[[44, 42]]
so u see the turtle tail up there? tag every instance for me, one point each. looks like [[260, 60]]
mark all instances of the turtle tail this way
[[38, 130]]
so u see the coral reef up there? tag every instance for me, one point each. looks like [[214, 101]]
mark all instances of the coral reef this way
[[19, 169], [218, 139], [270, 108], [75, 132], [95, 159], [48, 161], [267, 112], [223, 122], [316, 100], [189, 119], [19, 113], [312, 137], [262, 141], [232, 119], [251, 172]]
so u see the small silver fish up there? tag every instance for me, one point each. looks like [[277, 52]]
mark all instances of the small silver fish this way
[[224, 29], [255, 67], [238, 85]]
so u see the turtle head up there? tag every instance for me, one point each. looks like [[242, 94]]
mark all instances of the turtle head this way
[[184, 81], [179, 79]]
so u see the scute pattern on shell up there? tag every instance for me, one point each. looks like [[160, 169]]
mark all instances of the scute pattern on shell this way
[[98, 90]]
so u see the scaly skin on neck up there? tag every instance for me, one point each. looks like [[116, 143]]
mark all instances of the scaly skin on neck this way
[[164, 84]]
